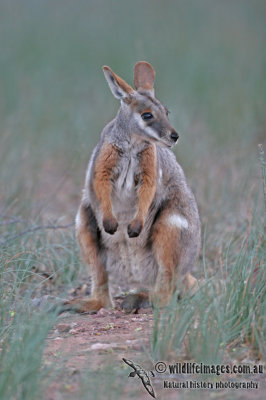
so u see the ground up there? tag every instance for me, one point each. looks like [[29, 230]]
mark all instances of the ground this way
[[107, 332], [107, 337]]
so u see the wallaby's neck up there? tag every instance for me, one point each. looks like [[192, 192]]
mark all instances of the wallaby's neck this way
[[122, 125], [123, 114]]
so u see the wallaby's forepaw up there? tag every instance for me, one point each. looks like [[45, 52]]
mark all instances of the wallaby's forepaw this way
[[134, 228], [110, 225], [81, 305], [134, 301]]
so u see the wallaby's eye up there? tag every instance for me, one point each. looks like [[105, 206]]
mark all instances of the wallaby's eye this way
[[146, 116]]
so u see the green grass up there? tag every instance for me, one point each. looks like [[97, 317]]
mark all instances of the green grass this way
[[210, 62], [29, 267], [227, 311], [22, 373]]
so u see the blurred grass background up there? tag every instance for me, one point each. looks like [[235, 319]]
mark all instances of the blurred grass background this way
[[210, 62]]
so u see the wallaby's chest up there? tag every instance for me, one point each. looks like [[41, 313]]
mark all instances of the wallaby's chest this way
[[127, 174], [126, 180]]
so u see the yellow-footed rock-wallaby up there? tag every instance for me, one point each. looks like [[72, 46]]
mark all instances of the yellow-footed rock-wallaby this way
[[138, 223]]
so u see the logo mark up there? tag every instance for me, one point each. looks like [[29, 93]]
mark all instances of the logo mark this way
[[142, 374], [160, 367]]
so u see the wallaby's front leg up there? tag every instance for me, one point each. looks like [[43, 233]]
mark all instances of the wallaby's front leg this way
[[104, 166], [147, 189]]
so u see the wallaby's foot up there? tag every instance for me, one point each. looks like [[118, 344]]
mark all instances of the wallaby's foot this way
[[83, 305], [134, 228], [134, 301], [191, 284], [110, 225]]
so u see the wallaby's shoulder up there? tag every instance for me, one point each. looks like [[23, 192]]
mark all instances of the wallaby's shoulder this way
[[168, 163], [107, 138]]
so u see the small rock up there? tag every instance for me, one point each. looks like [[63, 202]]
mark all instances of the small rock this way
[[63, 327], [74, 331], [132, 342], [106, 346], [73, 371], [103, 312], [119, 314], [102, 346]]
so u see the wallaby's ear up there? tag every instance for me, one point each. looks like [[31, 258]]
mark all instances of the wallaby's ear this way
[[144, 76], [120, 89]]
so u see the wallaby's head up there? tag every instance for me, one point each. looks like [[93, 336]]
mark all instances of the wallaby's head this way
[[145, 115]]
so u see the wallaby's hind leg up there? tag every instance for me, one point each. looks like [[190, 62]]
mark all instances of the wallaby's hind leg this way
[[170, 238], [89, 239]]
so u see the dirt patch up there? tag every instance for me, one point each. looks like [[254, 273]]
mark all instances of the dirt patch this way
[[75, 339], [94, 343], [76, 335]]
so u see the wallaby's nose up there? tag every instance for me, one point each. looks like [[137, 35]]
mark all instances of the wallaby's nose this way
[[174, 136]]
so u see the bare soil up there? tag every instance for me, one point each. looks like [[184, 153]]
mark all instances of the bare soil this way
[[95, 343], [77, 340]]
